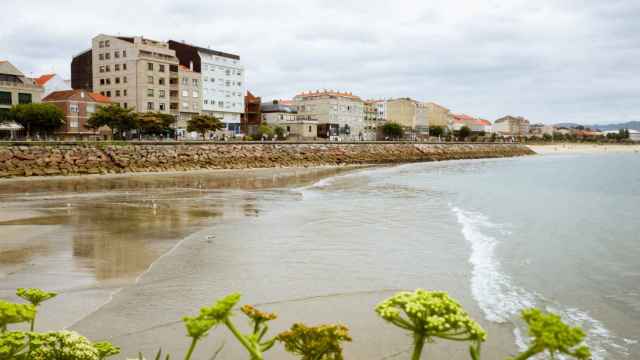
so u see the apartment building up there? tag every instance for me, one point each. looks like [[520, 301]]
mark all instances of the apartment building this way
[[381, 110], [78, 106], [16, 88], [512, 125], [252, 117], [437, 115], [223, 85], [132, 71], [296, 126], [341, 110], [370, 119], [458, 121], [185, 90], [408, 113]]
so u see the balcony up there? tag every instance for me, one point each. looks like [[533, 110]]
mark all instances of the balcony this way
[[20, 85]]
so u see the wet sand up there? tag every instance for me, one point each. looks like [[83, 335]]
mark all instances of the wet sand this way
[[132, 255]]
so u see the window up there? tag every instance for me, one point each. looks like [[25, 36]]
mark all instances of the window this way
[[150, 80], [124, 54], [206, 102], [173, 106], [73, 123], [185, 93], [149, 106], [107, 43], [117, 80], [161, 81], [101, 57], [124, 79], [124, 92], [185, 105], [161, 93], [24, 98], [116, 54], [91, 108], [102, 93], [163, 107], [195, 94], [239, 83], [107, 56], [228, 83], [125, 105], [101, 81], [124, 66], [195, 82], [221, 104], [309, 128], [213, 80], [227, 72], [150, 66], [161, 68], [117, 93], [239, 72], [107, 68], [108, 80], [101, 44], [101, 68], [108, 93], [185, 81], [194, 107], [116, 67], [150, 92]]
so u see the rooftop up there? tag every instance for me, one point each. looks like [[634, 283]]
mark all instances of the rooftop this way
[[68, 94], [325, 92]]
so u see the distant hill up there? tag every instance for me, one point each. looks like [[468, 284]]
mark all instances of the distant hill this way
[[634, 125]]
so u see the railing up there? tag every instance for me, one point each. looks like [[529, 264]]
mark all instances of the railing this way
[[20, 85]]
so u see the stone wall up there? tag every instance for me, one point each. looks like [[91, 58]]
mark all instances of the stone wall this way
[[41, 159]]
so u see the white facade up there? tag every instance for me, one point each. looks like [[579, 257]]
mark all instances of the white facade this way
[[223, 89], [53, 82], [331, 107]]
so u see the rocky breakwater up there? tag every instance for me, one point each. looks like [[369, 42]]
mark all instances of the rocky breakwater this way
[[42, 159]]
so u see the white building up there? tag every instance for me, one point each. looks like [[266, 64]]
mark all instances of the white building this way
[[52, 82], [223, 84]]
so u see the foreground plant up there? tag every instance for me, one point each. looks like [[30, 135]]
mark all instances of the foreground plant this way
[[550, 334], [35, 297], [321, 342], [11, 313], [429, 315]]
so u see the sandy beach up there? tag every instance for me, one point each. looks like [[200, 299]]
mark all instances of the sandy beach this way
[[568, 148]]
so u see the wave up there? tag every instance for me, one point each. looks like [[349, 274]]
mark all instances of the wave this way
[[501, 300]]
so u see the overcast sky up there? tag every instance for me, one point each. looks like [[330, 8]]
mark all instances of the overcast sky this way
[[548, 60]]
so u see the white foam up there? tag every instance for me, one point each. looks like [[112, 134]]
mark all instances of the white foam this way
[[494, 291], [501, 300]]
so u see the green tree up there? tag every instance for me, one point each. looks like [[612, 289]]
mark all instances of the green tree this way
[[40, 118], [203, 124], [279, 130], [264, 131], [547, 137], [393, 130], [464, 132], [155, 123], [118, 119], [436, 131]]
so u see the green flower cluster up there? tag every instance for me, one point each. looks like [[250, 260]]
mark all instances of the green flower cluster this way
[[321, 342], [106, 349], [67, 345], [433, 314], [12, 343], [550, 334], [35, 296], [11, 313], [221, 309]]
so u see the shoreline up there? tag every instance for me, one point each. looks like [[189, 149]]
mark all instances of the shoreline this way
[[571, 148]]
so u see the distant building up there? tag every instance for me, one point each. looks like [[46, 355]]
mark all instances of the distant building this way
[[540, 130], [296, 126], [437, 115], [370, 119], [408, 113], [82, 71], [512, 125], [222, 82], [51, 83], [189, 95], [252, 116], [16, 88], [341, 110], [634, 135], [381, 110], [78, 106], [458, 121]]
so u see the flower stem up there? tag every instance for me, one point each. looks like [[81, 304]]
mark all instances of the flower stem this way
[[255, 354], [191, 348], [527, 354], [33, 323], [418, 344]]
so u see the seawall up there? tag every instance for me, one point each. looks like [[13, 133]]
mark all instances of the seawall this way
[[77, 158]]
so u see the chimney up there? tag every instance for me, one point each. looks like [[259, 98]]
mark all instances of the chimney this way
[[191, 65], [82, 94]]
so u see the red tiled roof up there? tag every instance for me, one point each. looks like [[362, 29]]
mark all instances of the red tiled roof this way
[[44, 79], [318, 93], [68, 94]]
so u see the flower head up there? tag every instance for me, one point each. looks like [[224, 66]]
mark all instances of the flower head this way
[[221, 309], [198, 326], [106, 349], [11, 313], [256, 315], [35, 296], [550, 333], [315, 342], [430, 314], [12, 342], [66, 345]]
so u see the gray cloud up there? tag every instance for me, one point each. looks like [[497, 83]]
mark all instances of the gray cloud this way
[[551, 61]]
